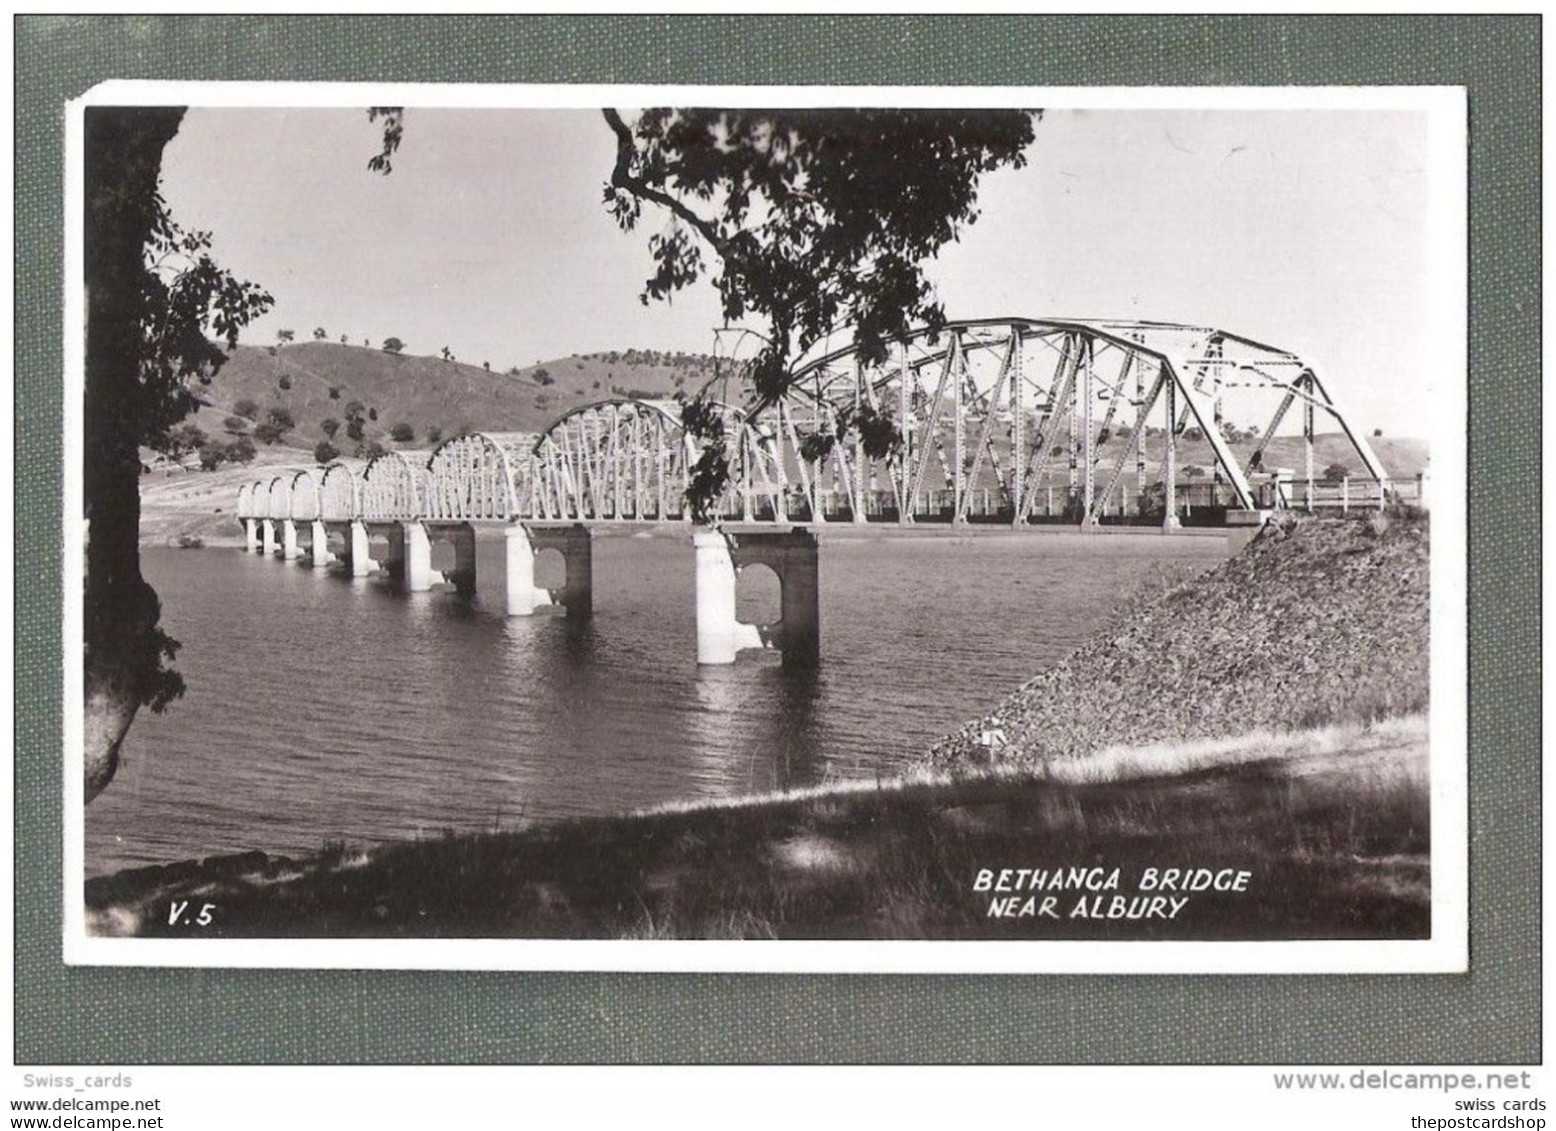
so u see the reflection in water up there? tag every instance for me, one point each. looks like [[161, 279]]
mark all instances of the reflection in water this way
[[321, 708]]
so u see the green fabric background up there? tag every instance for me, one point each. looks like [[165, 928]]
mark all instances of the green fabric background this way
[[1492, 1015]]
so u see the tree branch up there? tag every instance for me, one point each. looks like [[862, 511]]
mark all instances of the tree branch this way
[[623, 179]]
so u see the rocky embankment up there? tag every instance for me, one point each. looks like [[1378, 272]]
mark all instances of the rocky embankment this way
[[1317, 621]]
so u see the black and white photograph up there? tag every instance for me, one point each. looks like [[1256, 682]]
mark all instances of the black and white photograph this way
[[863, 529]]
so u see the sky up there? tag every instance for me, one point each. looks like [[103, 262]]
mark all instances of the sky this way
[[1304, 229]]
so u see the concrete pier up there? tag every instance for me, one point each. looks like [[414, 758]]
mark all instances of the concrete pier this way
[[462, 538], [416, 549], [289, 550], [576, 545], [319, 545], [267, 529], [794, 556], [522, 597], [394, 551], [251, 535], [358, 557]]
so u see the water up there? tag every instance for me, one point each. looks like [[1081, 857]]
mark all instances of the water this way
[[323, 709]]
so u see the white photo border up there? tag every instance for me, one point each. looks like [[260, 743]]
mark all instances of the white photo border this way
[[1446, 951]]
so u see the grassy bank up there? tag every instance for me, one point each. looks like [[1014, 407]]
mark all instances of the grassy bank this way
[[1330, 825], [1317, 621]]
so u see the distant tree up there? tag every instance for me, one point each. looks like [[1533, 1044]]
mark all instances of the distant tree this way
[[372, 414], [343, 340], [354, 428], [183, 440], [434, 435], [542, 376], [325, 452], [285, 336], [284, 383], [402, 432], [241, 450], [212, 456], [372, 450], [1335, 472], [448, 354], [320, 333], [329, 426], [1193, 471], [268, 433], [1193, 434], [365, 342], [513, 371], [1376, 433], [281, 418], [486, 365], [392, 345], [235, 424], [334, 392], [247, 408]]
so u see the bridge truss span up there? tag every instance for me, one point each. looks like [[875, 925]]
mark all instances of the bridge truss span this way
[[303, 490], [340, 493], [1080, 420], [615, 460], [278, 498], [482, 477], [394, 487]]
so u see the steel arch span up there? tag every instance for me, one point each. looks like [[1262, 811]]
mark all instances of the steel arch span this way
[[303, 490], [278, 498], [394, 487], [482, 477], [616, 459], [1026, 418], [340, 493]]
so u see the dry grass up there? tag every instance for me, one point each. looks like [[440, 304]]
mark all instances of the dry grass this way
[[1331, 823]]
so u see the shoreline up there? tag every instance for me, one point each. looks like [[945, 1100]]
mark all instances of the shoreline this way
[[1329, 825]]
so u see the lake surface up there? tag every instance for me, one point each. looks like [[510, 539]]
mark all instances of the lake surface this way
[[324, 709]]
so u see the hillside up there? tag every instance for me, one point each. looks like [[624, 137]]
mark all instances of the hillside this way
[[1317, 621], [313, 381]]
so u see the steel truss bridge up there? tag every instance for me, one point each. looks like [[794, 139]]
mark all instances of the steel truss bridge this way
[[1012, 420]]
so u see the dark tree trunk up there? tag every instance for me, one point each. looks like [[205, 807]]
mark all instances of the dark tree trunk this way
[[124, 645]]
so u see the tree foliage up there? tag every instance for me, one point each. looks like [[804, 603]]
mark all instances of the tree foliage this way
[[807, 220], [392, 345], [815, 219]]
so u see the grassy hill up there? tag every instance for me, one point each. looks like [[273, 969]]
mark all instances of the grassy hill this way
[[314, 381]]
